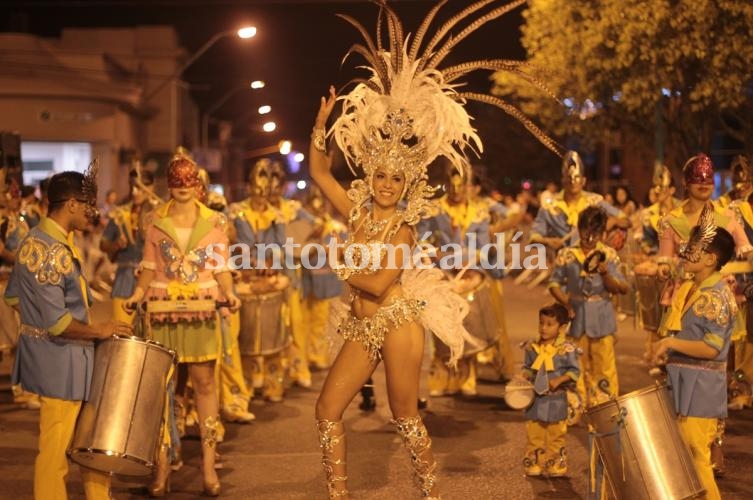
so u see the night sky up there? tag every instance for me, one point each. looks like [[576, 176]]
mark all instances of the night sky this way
[[297, 50]]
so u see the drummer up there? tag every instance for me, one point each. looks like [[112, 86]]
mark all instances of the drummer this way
[[460, 220], [700, 320], [584, 278], [742, 340], [123, 241], [13, 229], [254, 222], [664, 189], [53, 298], [550, 363], [289, 211]]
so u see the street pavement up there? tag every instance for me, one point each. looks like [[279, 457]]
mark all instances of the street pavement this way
[[478, 441]]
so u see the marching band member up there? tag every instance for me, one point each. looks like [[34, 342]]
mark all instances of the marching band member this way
[[123, 242], [700, 322], [177, 265], [549, 363], [584, 278], [56, 349], [742, 182], [254, 223], [664, 190], [13, 229], [320, 286], [289, 211]]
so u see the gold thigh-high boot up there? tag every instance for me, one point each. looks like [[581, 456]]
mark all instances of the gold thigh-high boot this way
[[416, 440], [209, 434], [332, 443]]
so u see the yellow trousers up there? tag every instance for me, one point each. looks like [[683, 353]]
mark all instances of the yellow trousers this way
[[315, 313], [57, 422], [298, 352], [546, 442], [120, 314], [232, 383], [698, 434], [267, 373], [445, 380], [597, 363]]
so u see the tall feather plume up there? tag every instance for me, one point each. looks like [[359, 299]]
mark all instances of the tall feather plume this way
[[89, 184], [494, 14], [413, 54]]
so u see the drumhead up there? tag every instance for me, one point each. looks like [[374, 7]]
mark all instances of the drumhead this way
[[519, 394]]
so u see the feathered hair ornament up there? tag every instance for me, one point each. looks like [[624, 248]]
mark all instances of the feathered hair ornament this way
[[701, 236], [409, 111], [89, 184]]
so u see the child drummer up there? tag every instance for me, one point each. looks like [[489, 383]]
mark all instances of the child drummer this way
[[589, 272], [550, 363], [701, 319]]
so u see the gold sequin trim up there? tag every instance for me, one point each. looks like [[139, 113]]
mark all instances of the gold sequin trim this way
[[370, 332], [716, 305], [48, 263]]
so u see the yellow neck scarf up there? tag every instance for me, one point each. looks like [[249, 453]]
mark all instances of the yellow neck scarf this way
[[545, 356], [680, 298]]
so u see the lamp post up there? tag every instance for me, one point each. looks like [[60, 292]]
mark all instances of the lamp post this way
[[256, 84], [244, 33]]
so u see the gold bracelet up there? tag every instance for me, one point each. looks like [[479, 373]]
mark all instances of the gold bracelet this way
[[318, 138]]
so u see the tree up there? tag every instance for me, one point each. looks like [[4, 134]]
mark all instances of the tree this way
[[673, 69]]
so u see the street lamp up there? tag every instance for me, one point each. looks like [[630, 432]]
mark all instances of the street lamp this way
[[269, 127], [244, 33], [214, 107], [257, 84], [263, 110], [285, 147]]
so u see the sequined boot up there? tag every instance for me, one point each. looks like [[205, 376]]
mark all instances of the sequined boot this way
[[209, 433], [332, 443], [416, 440]]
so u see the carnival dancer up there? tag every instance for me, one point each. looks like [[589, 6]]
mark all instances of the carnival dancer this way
[[584, 278], [289, 212], [253, 220], [700, 320], [392, 127], [186, 257], [123, 240], [56, 348], [550, 363]]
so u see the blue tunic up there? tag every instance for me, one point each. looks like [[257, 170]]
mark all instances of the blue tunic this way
[[551, 407], [594, 311], [699, 388], [128, 258], [47, 285], [556, 219]]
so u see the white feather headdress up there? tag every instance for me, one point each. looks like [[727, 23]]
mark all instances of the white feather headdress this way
[[409, 112]]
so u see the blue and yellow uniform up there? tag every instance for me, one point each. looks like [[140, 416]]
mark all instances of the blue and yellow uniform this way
[[546, 424], [123, 221], [257, 227], [699, 386], [595, 322], [556, 218], [459, 224], [47, 286]]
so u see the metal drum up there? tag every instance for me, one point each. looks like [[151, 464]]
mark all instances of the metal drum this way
[[648, 292], [265, 323], [626, 302], [118, 429], [483, 320], [639, 442]]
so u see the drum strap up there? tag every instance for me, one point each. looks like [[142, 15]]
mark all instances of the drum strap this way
[[596, 464]]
